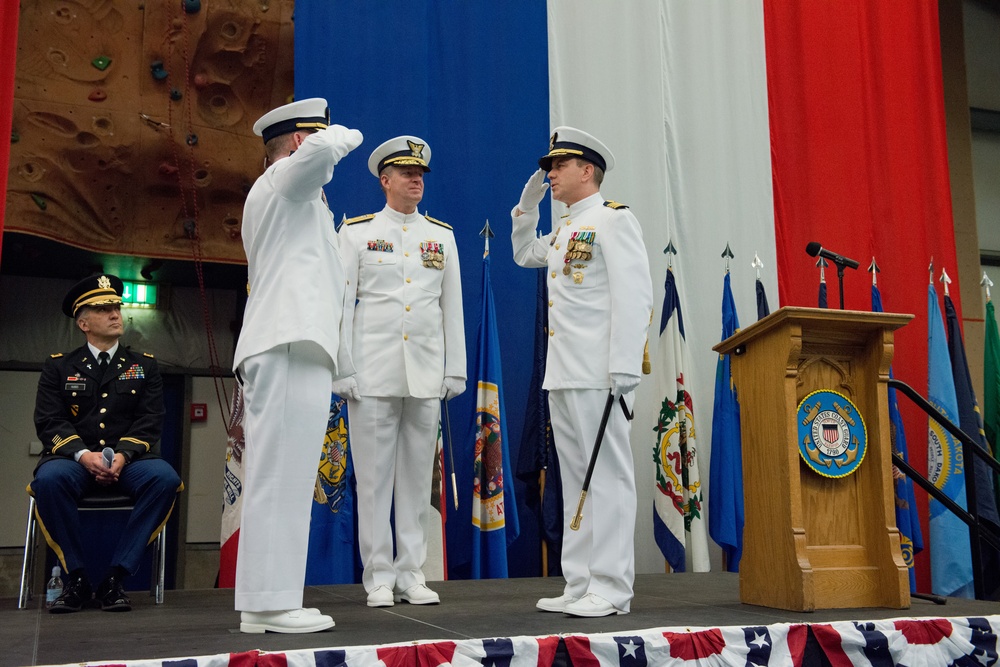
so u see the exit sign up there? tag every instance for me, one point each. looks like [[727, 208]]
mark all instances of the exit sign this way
[[138, 295]]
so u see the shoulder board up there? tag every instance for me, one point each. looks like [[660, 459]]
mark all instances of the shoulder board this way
[[147, 354], [360, 218], [437, 222], [56, 355], [615, 205]]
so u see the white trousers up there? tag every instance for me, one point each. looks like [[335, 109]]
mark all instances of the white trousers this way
[[287, 392], [598, 558], [392, 444]]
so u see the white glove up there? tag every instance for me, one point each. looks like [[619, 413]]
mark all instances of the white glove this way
[[533, 192], [452, 387], [343, 140], [346, 388], [623, 383]]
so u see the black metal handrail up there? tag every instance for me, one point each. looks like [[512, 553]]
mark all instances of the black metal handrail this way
[[978, 530]]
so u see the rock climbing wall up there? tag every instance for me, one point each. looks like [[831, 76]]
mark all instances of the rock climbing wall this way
[[132, 121]]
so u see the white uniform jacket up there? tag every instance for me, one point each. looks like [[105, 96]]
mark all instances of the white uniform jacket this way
[[406, 330], [296, 276], [600, 294]]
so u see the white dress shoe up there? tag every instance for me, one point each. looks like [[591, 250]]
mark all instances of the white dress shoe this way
[[380, 596], [418, 594], [292, 621], [555, 604], [592, 606]]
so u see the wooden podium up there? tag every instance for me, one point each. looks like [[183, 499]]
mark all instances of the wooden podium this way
[[811, 541]]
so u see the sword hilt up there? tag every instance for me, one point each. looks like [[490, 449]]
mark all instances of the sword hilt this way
[[575, 523]]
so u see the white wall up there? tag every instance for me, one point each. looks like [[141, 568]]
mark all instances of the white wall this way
[[32, 327], [981, 22], [986, 181], [207, 457], [17, 404]]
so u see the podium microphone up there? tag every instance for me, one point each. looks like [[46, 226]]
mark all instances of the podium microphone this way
[[814, 249], [109, 456]]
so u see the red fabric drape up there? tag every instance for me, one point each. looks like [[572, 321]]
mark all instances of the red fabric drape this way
[[860, 165], [8, 53]]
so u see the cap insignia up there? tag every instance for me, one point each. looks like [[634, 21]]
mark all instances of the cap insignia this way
[[417, 150], [104, 282], [553, 140]]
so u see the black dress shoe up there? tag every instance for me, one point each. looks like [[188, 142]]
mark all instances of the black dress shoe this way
[[112, 596], [76, 593]]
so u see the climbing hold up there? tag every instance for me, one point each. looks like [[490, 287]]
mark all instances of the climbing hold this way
[[39, 201], [192, 6], [190, 228], [14, 137], [175, 94], [156, 69], [97, 95], [101, 62], [192, 139]]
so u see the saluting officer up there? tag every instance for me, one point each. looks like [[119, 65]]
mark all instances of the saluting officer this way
[[408, 344], [600, 299], [289, 352], [101, 395]]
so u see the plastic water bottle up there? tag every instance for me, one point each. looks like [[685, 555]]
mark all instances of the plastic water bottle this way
[[54, 587]]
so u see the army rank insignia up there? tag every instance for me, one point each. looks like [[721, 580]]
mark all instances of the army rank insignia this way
[[378, 245], [432, 254], [832, 435], [580, 246]]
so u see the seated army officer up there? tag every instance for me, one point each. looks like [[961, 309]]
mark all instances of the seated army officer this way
[[100, 399]]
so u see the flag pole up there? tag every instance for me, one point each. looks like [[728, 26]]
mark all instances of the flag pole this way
[[575, 523]]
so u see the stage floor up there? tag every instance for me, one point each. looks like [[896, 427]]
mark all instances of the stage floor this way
[[203, 622]]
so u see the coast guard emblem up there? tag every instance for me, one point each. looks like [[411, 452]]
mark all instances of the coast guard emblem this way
[[833, 438]]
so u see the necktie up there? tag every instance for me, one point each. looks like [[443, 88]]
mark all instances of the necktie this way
[[102, 360]]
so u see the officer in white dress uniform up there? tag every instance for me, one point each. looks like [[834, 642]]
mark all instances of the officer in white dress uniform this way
[[289, 352], [600, 300], [407, 340]]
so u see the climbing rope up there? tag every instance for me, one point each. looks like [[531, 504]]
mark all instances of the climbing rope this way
[[189, 204]]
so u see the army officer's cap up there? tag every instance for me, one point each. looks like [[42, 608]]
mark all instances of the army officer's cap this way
[[571, 142], [310, 114], [93, 291], [400, 151]]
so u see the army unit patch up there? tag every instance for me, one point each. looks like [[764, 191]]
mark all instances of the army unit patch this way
[[832, 435]]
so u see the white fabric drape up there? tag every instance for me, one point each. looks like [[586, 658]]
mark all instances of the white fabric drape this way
[[677, 91]]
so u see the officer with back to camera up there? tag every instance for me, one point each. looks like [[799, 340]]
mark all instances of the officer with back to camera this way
[[289, 352]]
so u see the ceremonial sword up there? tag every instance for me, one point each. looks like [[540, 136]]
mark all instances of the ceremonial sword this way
[[451, 452], [575, 523]]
